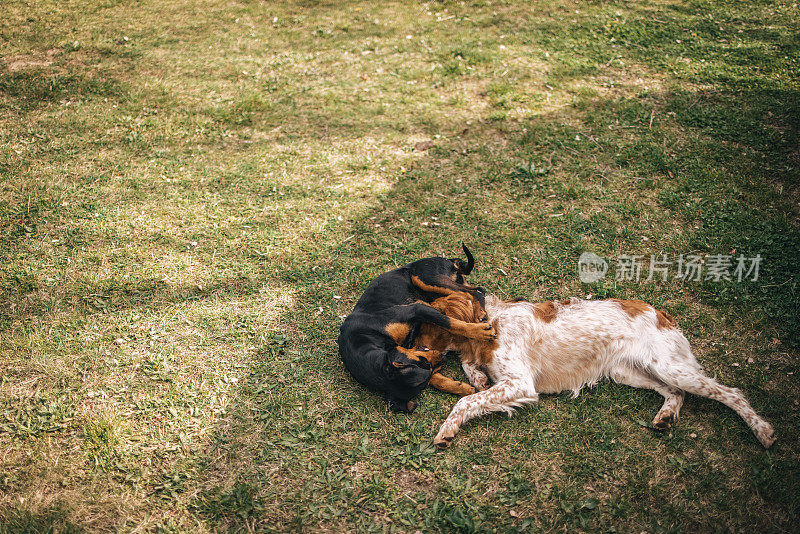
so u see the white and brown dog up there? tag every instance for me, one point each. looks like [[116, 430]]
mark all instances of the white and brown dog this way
[[555, 346]]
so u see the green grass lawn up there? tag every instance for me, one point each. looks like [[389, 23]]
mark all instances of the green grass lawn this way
[[193, 194]]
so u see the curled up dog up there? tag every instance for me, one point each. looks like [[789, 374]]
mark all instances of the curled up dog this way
[[555, 346], [377, 340]]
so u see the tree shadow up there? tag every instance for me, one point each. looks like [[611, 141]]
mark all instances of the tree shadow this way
[[720, 163], [50, 521], [693, 174]]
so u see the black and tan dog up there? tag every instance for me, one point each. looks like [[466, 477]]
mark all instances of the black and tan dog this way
[[376, 341]]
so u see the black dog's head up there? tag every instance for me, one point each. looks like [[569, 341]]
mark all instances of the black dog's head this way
[[447, 273], [453, 269], [407, 372]]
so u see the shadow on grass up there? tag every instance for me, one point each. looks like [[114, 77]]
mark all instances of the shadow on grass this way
[[50, 521], [724, 195], [22, 297], [38, 87]]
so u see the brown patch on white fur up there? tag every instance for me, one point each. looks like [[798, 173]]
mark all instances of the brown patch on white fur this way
[[473, 351], [665, 320], [460, 305], [547, 311], [633, 307], [638, 307]]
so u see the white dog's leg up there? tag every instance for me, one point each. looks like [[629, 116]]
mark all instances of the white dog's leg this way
[[503, 396], [475, 376], [693, 381], [673, 398]]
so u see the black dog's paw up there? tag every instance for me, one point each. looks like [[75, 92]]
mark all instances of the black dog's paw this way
[[402, 406]]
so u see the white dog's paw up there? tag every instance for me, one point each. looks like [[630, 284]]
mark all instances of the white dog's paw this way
[[766, 435], [445, 436], [480, 382]]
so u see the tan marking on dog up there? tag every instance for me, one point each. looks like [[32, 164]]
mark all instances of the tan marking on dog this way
[[435, 357], [665, 320], [479, 331], [412, 354], [431, 289], [448, 385], [633, 307], [443, 289], [464, 307], [398, 331], [546, 311]]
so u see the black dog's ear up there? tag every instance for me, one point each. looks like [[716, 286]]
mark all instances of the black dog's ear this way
[[415, 376], [411, 375], [389, 370], [466, 267], [402, 370]]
